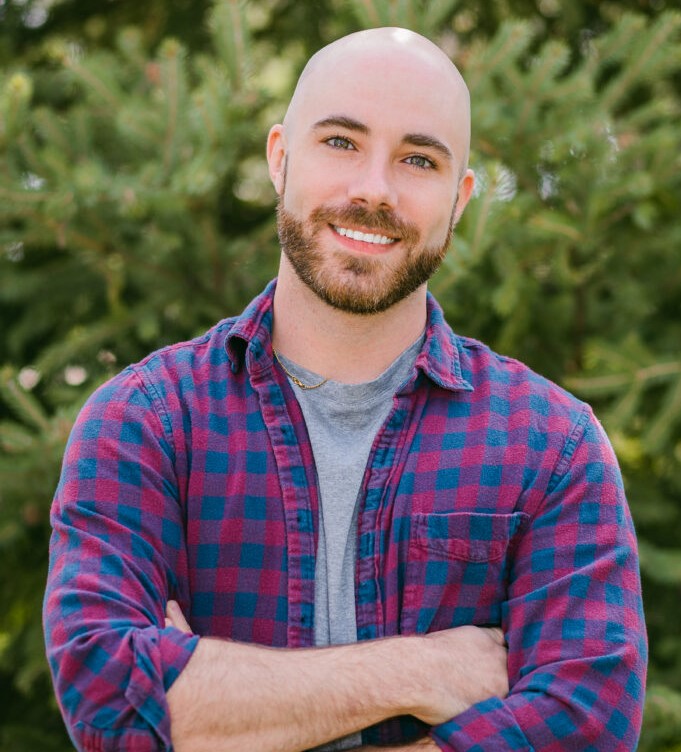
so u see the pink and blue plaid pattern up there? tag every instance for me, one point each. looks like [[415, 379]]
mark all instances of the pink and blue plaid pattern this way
[[491, 497]]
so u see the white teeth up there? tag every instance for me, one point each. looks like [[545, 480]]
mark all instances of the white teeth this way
[[364, 237]]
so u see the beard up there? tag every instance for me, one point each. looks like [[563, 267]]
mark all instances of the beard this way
[[358, 284]]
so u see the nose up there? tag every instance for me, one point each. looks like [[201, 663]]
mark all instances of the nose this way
[[372, 185]]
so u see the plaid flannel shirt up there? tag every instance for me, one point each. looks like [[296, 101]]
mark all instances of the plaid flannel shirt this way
[[491, 496]]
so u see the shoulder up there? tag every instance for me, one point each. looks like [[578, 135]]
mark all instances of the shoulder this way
[[166, 377], [522, 399], [490, 373], [201, 357]]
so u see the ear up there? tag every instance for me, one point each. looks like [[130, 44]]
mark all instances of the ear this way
[[276, 156], [466, 185]]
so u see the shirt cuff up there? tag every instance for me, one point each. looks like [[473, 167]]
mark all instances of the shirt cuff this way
[[489, 726], [158, 657]]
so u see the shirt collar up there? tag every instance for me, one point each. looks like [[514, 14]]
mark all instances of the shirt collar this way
[[439, 359], [252, 330]]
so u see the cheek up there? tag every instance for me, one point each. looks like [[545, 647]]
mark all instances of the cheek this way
[[302, 196], [430, 206], [307, 180], [435, 226], [443, 218]]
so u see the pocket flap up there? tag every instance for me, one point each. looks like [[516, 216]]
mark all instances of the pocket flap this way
[[467, 536]]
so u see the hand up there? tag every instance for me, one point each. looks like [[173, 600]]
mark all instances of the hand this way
[[461, 666], [175, 617]]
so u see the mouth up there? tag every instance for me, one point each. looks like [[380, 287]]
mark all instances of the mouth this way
[[372, 238]]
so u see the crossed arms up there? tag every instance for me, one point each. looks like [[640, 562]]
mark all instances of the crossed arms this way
[[291, 700]]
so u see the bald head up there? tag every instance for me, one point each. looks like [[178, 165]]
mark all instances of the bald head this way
[[407, 59]]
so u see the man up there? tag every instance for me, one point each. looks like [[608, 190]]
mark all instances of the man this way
[[335, 466]]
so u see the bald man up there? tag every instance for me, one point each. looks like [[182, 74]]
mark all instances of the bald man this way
[[330, 522]]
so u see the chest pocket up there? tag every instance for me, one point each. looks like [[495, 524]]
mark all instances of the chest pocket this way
[[457, 569]]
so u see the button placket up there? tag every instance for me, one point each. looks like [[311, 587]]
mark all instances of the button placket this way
[[385, 460], [297, 478], [369, 607]]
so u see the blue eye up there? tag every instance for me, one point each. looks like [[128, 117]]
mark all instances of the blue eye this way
[[338, 142], [418, 160]]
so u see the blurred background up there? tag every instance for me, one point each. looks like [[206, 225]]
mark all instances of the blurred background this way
[[135, 211]]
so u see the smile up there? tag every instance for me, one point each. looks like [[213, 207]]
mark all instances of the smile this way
[[364, 237]]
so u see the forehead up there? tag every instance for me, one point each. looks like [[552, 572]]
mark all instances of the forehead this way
[[390, 90]]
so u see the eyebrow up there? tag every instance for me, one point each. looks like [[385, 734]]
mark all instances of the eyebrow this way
[[413, 139], [341, 121], [429, 142]]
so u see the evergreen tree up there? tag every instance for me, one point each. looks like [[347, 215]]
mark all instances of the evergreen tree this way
[[136, 210]]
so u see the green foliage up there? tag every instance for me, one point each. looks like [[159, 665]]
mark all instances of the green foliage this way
[[424, 17], [663, 711], [134, 186], [593, 191], [136, 210]]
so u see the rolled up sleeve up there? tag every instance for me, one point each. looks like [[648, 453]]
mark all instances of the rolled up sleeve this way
[[573, 619], [117, 554]]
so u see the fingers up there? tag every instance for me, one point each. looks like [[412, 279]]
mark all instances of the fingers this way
[[175, 617], [496, 634]]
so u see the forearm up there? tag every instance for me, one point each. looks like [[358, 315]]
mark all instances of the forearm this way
[[233, 696]]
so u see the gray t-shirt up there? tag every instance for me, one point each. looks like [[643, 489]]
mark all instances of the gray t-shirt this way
[[342, 421]]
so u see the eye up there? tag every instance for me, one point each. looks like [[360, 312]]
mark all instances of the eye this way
[[339, 142], [423, 163]]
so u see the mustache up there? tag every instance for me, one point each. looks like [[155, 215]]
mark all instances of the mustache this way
[[382, 220]]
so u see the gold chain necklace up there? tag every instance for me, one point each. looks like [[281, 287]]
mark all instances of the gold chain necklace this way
[[294, 378]]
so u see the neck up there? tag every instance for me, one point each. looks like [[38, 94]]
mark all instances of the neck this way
[[346, 347]]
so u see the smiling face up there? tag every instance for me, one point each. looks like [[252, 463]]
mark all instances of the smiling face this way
[[370, 168]]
